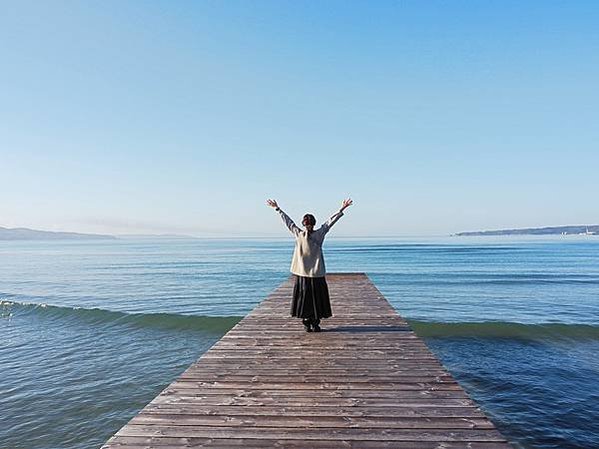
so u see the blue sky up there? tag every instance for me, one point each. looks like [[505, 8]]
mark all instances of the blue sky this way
[[184, 117]]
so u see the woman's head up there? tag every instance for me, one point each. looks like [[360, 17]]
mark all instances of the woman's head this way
[[309, 221]]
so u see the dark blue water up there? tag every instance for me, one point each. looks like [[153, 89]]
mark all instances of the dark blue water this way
[[92, 331]]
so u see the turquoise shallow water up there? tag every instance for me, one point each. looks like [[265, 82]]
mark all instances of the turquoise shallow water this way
[[92, 331]]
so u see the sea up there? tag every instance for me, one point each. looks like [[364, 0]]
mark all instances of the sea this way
[[92, 330]]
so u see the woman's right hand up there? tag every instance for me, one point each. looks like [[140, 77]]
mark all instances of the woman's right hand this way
[[346, 203], [272, 203]]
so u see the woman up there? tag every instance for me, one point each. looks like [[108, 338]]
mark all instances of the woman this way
[[310, 292]]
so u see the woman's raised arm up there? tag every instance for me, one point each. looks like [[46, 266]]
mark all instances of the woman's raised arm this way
[[337, 215], [286, 219]]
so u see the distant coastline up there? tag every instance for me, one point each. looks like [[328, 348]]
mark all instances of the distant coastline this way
[[34, 234], [549, 230]]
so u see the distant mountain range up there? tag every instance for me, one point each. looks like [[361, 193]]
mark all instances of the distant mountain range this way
[[32, 234], [551, 230]]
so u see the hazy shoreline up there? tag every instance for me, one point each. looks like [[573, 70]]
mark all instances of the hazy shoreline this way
[[547, 230]]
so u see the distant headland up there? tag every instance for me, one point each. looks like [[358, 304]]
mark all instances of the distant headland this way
[[36, 234], [33, 234], [550, 230]]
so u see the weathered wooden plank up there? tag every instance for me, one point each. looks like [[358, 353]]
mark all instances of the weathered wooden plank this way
[[310, 433], [366, 381], [298, 376], [313, 401], [315, 411], [387, 386], [310, 393], [257, 443], [322, 421]]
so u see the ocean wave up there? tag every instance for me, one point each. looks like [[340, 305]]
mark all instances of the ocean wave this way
[[97, 316], [425, 247], [477, 279], [509, 330], [221, 324]]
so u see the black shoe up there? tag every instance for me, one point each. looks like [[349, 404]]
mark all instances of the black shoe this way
[[307, 324], [315, 325]]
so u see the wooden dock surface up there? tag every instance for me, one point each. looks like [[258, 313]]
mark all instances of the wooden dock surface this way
[[366, 381]]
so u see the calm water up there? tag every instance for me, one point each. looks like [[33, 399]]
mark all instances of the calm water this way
[[92, 331]]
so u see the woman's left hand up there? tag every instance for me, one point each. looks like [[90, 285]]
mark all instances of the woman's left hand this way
[[346, 203]]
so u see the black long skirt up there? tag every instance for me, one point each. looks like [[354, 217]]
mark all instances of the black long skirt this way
[[311, 298]]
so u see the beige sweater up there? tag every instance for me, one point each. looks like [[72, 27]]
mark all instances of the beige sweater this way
[[307, 256]]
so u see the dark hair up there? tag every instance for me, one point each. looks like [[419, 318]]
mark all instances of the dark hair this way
[[309, 218]]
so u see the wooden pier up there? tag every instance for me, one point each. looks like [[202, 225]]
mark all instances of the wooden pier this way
[[366, 381]]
